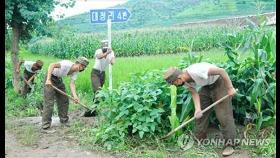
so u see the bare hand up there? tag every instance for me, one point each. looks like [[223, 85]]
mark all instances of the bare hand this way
[[109, 50], [76, 100], [231, 91], [48, 83], [198, 114]]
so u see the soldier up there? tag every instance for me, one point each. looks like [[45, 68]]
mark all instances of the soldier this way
[[54, 77], [215, 84], [30, 69], [103, 57]]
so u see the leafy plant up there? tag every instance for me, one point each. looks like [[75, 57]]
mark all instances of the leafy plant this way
[[184, 97], [252, 76], [35, 97], [8, 74], [174, 121], [136, 108]]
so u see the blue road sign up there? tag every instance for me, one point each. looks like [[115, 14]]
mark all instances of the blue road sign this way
[[102, 15]]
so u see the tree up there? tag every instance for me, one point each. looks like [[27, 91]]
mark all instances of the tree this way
[[23, 17]]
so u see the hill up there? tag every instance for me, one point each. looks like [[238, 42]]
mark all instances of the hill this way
[[159, 13]]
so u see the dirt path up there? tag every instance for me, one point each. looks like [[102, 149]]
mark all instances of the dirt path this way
[[57, 143], [13, 149]]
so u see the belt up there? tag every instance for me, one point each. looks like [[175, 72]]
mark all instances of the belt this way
[[26, 71], [55, 77], [211, 86], [98, 71]]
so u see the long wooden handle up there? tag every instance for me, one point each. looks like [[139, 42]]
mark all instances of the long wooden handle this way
[[26, 81], [31, 78], [190, 120], [60, 91]]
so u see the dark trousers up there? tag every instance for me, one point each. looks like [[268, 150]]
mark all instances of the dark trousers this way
[[208, 95], [50, 95], [97, 80], [27, 75]]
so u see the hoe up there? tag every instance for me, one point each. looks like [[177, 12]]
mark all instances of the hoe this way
[[190, 120], [88, 113]]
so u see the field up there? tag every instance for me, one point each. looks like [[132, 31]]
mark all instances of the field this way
[[135, 42], [125, 66]]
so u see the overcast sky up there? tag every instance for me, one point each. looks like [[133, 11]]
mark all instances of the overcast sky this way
[[82, 6]]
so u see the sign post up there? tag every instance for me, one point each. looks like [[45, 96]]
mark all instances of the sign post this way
[[109, 23], [108, 16]]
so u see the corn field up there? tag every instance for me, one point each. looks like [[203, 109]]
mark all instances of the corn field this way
[[134, 43]]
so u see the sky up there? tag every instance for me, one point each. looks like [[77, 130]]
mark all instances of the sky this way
[[82, 6]]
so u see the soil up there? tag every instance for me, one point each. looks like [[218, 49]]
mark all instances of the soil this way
[[55, 143], [213, 132], [58, 142]]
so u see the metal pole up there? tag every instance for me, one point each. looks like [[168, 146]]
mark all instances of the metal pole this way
[[109, 45]]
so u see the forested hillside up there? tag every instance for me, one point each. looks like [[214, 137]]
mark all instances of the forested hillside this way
[[157, 13]]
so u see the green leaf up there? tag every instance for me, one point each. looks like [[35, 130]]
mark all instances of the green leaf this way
[[122, 113], [152, 126], [141, 133], [187, 107], [146, 129], [134, 130], [142, 118], [148, 119], [154, 112]]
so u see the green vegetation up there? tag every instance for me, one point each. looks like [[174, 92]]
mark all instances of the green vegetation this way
[[130, 107], [138, 111], [28, 135], [253, 76], [90, 138], [173, 119], [122, 70], [159, 13], [23, 20], [137, 42], [268, 150]]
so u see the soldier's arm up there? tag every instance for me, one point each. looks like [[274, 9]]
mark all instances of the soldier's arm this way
[[196, 99], [101, 55], [224, 74], [50, 70], [73, 91]]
